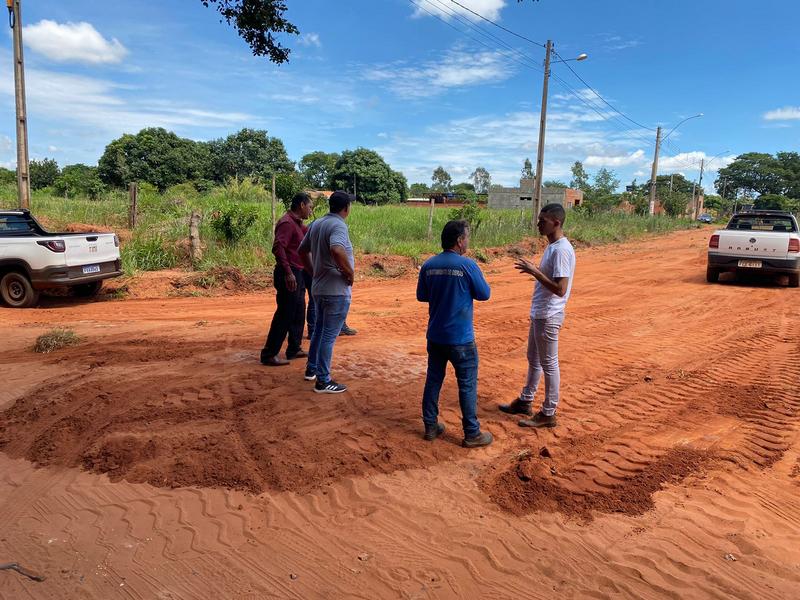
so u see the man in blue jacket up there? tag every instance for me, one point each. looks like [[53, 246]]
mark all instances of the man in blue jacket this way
[[449, 282]]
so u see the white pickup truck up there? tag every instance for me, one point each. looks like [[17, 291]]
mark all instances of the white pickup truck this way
[[764, 241], [32, 259]]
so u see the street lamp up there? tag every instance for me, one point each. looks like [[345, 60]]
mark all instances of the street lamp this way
[[537, 192], [654, 172]]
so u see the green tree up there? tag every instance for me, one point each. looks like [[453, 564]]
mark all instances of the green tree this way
[[580, 178], [679, 183], [156, 156], [7, 176], [674, 202], [441, 180], [752, 173], [287, 185], [552, 183], [527, 169], [481, 180], [773, 202], [419, 190], [43, 173], [605, 182], [249, 153], [257, 22], [374, 179], [790, 168], [79, 180], [317, 168]]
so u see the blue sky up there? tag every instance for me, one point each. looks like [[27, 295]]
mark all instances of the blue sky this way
[[423, 92]]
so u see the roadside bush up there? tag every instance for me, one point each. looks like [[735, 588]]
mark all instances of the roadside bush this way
[[470, 212], [148, 254], [233, 220], [56, 339], [245, 190], [674, 203], [79, 180]]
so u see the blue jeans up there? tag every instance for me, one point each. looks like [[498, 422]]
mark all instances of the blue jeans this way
[[465, 362], [331, 312]]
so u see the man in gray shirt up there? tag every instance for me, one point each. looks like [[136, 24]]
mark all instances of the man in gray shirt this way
[[327, 253]]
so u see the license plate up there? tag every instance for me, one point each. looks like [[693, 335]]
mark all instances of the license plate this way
[[96, 269], [750, 264]]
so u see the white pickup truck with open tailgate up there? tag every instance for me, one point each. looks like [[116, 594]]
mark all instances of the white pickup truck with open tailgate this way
[[759, 241], [32, 259]]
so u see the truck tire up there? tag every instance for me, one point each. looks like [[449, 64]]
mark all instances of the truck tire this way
[[16, 291], [794, 279], [712, 275], [87, 290]]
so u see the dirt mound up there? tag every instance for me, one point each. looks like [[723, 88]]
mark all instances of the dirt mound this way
[[534, 483]]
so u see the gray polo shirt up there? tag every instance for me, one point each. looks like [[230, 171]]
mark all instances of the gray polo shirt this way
[[325, 232]]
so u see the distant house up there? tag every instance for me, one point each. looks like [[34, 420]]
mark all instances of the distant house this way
[[522, 196]]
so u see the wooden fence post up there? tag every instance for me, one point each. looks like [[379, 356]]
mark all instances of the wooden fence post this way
[[273, 204], [194, 237], [133, 205], [430, 217]]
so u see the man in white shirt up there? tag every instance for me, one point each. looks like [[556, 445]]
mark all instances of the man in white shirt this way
[[553, 285]]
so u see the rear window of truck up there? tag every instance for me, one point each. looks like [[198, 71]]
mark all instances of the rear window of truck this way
[[761, 223], [11, 224]]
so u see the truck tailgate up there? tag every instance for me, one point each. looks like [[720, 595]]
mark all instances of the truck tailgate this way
[[90, 248], [754, 244]]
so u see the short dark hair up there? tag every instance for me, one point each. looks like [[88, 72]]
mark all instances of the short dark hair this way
[[452, 231], [339, 200], [556, 211], [300, 198]]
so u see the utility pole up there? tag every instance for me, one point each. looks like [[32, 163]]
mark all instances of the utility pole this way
[[695, 200], [537, 192], [23, 173], [653, 175]]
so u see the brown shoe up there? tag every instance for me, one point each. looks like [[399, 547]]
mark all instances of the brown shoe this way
[[298, 354], [517, 407], [539, 420], [274, 361], [484, 438]]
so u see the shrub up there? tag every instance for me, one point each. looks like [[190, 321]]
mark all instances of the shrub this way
[[245, 190], [55, 340], [471, 212], [148, 254], [232, 220]]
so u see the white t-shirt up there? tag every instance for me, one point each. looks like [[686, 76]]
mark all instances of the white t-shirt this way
[[558, 260]]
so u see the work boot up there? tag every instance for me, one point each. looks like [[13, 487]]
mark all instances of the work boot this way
[[274, 361], [539, 420], [346, 330], [433, 431], [480, 440], [517, 407]]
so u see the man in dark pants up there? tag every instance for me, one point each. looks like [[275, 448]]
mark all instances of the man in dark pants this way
[[449, 282], [289, 285]]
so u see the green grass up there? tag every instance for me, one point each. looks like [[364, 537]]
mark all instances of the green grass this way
[[160, 239]]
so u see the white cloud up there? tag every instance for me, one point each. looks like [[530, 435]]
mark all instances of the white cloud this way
[[310, 39], [787, 113], [101, 104], [383, 134], [614, 161], [5, 143], [457, 69], [488, 8], [73, 42], [52, 149]]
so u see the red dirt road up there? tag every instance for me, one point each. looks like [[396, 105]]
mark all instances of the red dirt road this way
[[170, 464]]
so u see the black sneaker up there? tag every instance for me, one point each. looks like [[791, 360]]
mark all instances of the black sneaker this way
[[479, 441], [347, 330], [329, 388], [517, 407], [433, 431], [309, 375], [539, 420]]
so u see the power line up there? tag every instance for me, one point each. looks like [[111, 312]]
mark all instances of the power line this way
[[514, 33], [596, 93]]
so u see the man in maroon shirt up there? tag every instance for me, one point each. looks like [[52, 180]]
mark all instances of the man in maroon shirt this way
[[289, 284]]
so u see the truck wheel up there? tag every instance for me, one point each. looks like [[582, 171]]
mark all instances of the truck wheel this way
[[17, 291], [87, 290], [712, 275], [794, 279]]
